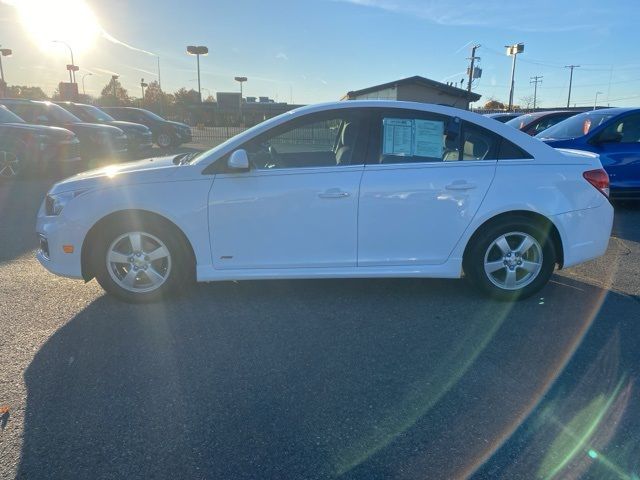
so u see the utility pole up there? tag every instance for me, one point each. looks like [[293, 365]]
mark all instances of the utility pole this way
[[513, 50], [535, 80], [473, 59], [570, 81]]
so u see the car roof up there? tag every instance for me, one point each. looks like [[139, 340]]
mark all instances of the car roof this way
[[614, 110]]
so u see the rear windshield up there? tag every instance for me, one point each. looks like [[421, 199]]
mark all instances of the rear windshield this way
[[576, 126], [522, 120]]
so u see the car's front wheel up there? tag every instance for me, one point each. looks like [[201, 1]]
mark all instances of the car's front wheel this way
[[166, 140], [142, 261], [510, 260]]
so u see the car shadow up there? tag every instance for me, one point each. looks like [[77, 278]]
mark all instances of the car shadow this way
[[303, 379], [626, 223]]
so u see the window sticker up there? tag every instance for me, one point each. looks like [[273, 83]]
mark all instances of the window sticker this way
[[428, 138], [412, 137], [398, 136]]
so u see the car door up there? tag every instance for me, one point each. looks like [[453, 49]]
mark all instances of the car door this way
[[297, 205], [621, 159], [425, 178]]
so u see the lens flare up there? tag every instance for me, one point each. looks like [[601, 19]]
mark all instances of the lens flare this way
[[70, 21]]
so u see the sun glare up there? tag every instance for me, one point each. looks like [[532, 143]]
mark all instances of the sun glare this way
[[71, 21]]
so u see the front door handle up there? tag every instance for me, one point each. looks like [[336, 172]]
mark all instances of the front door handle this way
[[460, 186], [334, 193]]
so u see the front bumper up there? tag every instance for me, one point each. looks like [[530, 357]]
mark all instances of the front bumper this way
[[53, 233], [585, 233]]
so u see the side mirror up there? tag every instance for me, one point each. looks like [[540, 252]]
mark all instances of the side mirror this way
[[238, 161], [607, 137]]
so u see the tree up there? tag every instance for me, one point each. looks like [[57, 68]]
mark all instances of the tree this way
[[23, 91], [157, 100], [184, 97], [527, 101], [494, 104], [114, 94]]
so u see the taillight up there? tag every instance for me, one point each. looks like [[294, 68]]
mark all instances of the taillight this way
[[599, 179]]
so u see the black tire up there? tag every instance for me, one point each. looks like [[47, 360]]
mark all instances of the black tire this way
[[483, 248], [178, 269], [166, 139]]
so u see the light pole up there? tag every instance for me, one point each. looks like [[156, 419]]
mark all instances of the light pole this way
[[143, 85], [513, 50], [197, 51], [114, 78], [595, 102], [4, 52], [85, 75], [72, 79], [240, 80]]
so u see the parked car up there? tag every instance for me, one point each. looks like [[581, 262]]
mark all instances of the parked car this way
[[345, 189], [95, 140], [28, 148], [503, 116], [139, 137], [612, 133], [166, 134], [534, 123]]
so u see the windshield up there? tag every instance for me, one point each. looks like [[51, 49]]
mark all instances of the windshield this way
[[576, 126], [59, 114], [7, 116], [152, 116], [89, 113]]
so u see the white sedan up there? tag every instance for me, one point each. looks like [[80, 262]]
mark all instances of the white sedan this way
[[351, 189]]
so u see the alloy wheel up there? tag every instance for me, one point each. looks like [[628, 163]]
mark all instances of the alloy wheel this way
[[513, 260], [9, 165], [138, 262]]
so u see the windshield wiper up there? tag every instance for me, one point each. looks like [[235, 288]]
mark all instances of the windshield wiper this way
[[177, 160]]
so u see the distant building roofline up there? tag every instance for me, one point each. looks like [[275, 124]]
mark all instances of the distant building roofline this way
[[418, 80]]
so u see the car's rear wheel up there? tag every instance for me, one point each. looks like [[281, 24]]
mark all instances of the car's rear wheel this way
[[511, 259], [142, 261], [166, 140]]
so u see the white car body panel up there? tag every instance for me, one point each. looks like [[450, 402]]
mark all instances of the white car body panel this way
[[396, 220]]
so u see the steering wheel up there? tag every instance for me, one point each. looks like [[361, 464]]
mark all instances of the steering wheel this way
[[276, 159]]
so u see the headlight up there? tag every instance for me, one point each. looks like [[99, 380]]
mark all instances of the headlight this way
[[56, 202]]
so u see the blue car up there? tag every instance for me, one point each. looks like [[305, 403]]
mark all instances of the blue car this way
[[612, 133]]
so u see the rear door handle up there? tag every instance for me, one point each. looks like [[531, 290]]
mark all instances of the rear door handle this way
[[334, 193], [460, 186]]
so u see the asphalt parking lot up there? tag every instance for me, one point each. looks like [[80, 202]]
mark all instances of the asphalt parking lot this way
[[358, 379]]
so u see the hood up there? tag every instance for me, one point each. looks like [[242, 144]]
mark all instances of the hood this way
[[179, 124], [149, 170], [129, 126], [54, 132], [86, 128]]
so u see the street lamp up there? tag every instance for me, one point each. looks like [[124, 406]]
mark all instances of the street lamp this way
[[143, 85], [595, 103], [513, 50], [85, 75], [240, 80], [72, 67], [197, 51]]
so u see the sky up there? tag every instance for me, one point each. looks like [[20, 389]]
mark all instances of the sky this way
[[309, 51]]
